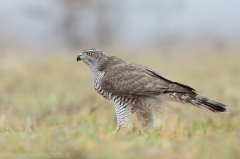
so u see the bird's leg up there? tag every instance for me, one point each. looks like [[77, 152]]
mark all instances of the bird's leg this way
[[146, 119], [116, 130], [123, 113]]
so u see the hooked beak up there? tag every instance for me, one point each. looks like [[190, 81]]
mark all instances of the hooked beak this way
[[79, 58]]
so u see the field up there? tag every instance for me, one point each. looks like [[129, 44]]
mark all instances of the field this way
[[48, 108]]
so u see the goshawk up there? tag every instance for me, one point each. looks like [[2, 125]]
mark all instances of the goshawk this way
[[135, 88]]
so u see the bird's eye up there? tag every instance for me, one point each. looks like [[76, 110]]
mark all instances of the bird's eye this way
[[89, 53]]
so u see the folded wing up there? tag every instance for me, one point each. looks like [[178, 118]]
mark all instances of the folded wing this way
[[128, 79]]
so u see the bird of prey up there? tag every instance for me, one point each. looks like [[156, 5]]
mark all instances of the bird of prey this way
[[135, 88]]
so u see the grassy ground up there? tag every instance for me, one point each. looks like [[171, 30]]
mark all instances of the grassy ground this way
[[48, 107]]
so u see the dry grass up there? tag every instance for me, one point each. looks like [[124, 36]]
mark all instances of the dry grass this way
[[48, 105]]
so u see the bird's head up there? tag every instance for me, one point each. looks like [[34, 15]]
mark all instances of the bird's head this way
[[90, 56]]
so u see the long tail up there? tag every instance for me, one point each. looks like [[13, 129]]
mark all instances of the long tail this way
[[201, 101]]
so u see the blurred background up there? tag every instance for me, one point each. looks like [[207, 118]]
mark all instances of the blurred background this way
[[48, 104], [40, 26]]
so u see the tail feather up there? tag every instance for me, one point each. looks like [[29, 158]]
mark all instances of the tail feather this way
[[205, 102], [200, 101]]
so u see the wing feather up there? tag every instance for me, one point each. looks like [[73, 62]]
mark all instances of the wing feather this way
[[127, 79]]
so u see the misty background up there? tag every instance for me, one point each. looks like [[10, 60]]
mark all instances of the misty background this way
[[45, 27]]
